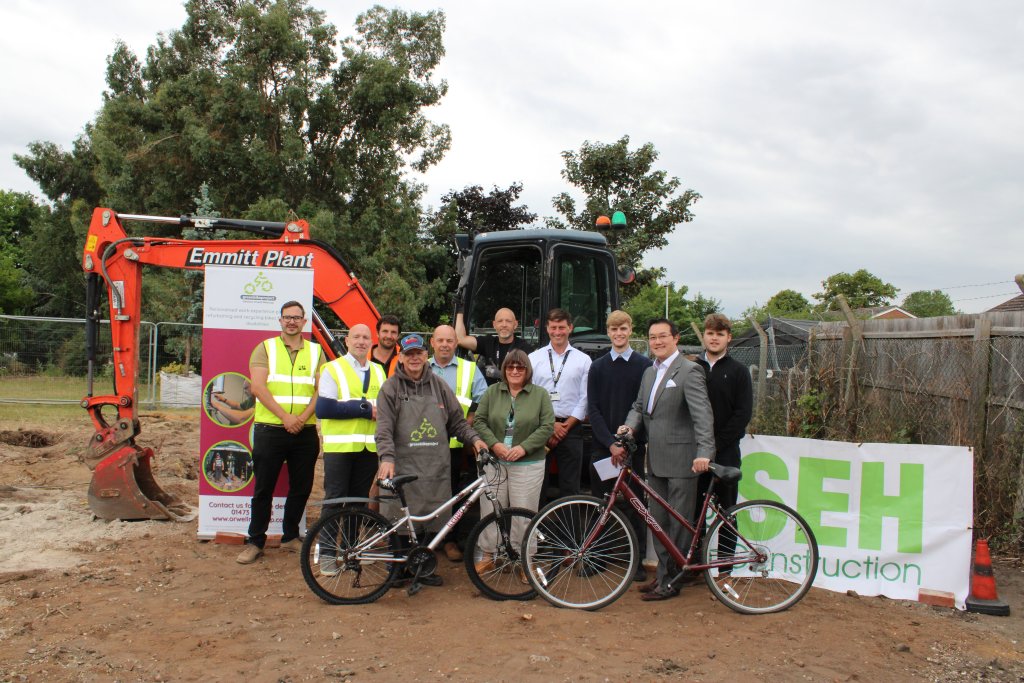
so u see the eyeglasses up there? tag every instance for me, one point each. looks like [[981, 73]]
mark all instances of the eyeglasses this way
[[291, 318], [515, 368], [659, 337]]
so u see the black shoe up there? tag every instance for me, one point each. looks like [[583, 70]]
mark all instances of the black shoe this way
[[431, 580], [660, 593], [641, 574], [690, 578]]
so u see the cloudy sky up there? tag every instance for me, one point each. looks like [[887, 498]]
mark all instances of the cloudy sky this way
[[824, 137]]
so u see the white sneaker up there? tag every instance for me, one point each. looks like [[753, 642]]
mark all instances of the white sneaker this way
[[328, 566]]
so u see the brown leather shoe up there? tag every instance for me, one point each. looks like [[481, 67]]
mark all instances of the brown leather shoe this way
[[452, 552], [648, 587], [250, 553], [660, 594]]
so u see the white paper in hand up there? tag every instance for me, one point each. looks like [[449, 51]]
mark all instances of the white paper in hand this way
[[605, 469]]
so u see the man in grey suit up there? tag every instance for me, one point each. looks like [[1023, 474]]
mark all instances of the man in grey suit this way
[[673, 409]]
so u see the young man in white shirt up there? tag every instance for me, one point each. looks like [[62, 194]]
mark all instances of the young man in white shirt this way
[[563, 371]]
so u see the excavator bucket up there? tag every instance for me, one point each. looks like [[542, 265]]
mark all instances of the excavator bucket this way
[[123, 488]]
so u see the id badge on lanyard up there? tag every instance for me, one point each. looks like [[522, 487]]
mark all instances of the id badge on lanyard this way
[[510, 425]]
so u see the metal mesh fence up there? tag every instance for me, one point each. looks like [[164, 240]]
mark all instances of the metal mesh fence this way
[[949, 391], [43, 360]]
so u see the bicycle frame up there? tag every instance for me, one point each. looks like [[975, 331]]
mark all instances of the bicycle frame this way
[[697, 532], [473, 490]]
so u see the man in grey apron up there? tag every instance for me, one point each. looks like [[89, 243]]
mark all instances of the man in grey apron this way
[[417, 412]]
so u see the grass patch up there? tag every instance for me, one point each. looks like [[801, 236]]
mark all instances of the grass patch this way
[[40, 388]]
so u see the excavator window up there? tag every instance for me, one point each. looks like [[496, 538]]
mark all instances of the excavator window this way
[[507, 277], [584, 287]]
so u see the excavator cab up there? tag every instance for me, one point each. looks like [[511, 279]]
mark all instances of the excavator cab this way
[[533, 271]]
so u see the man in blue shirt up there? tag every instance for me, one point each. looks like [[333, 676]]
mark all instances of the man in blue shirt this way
[[469, 384]]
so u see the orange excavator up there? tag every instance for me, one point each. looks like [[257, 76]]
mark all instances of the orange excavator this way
[[530, 271], [123, 486]]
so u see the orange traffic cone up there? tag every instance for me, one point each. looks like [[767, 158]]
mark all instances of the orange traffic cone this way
[[983, 598]]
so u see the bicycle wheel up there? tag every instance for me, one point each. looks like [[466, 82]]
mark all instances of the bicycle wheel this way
[[773, 560], [567, 571], [493, 559], [345, 557]]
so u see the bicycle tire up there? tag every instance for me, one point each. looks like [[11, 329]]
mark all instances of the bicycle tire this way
[[499, 574], [567, 577], [772, 531], [354, 581]]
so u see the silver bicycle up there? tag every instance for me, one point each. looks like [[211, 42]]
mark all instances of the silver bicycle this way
[[352, 555]]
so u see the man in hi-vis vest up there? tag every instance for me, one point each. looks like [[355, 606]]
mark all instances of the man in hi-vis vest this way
[[283, 372], [463, 377], [347, 408]]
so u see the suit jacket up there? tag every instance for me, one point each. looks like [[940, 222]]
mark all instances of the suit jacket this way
[[681, 427]]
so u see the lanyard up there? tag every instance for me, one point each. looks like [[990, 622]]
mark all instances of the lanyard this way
[[551, 361]]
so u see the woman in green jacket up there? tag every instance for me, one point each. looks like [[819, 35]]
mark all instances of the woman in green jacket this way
[[515, 419]]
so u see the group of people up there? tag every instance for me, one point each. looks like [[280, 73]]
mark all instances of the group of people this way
[[388, 409]]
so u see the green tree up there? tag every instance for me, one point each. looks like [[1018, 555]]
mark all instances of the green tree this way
[[928, 303], [788, 303], [18, 213], [861, 289], [649, 304], [469, 211], [613, 178], [260, 101]]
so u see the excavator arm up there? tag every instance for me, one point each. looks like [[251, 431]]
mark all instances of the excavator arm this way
[[123, 486]]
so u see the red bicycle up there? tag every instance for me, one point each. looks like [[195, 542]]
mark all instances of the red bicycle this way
[[757, 557]]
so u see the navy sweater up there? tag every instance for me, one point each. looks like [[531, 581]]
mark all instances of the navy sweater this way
[[612, 387]]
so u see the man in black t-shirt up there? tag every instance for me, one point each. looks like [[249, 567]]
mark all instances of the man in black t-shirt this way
[[492, 348]]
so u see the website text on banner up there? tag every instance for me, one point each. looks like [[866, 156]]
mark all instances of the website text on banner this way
[[241, 307], [890, 519]]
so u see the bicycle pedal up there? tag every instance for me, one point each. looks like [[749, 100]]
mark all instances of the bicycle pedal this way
[[413, 588]]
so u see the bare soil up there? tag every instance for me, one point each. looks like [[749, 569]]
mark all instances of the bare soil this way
[[86, 600]]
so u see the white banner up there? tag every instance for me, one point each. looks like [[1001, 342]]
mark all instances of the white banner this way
[[241, 308], [890, 519]]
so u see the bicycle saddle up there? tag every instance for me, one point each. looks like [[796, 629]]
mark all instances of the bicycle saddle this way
[[730, 475], [396, 483]]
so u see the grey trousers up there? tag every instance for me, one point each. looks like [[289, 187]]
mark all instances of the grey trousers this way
[[682, 495]]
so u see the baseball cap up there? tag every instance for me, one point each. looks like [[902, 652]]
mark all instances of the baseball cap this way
[[411, 342]]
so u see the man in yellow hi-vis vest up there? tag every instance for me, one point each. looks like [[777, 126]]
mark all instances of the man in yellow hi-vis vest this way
[[347, 408], [283, 372], [469, 384]]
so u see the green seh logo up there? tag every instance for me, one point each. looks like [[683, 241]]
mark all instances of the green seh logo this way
[[425, 430]]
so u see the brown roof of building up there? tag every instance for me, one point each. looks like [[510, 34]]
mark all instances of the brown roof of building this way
[[1014, 304]]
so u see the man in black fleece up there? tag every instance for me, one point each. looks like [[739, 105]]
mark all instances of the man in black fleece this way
[[732, 400]]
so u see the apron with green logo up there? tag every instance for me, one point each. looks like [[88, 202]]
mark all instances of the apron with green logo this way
[[421, 448]]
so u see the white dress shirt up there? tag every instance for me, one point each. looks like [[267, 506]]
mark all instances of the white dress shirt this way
[[327, 387], [661, 369], [572, 379]]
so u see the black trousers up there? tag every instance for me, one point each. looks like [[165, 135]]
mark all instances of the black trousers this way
[[726, 494], [349, 474], [599, 488], [273, 448], [568, 454], [460, 531]]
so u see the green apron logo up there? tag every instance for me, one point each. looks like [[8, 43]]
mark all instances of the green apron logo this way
[[426, 430]]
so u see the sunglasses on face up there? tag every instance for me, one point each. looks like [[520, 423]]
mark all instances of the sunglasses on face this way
[[515, 368]]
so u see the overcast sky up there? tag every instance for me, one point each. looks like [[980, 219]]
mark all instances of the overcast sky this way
[[824, 137]]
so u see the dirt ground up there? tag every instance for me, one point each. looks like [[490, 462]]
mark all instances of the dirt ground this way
[[87, 600]]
